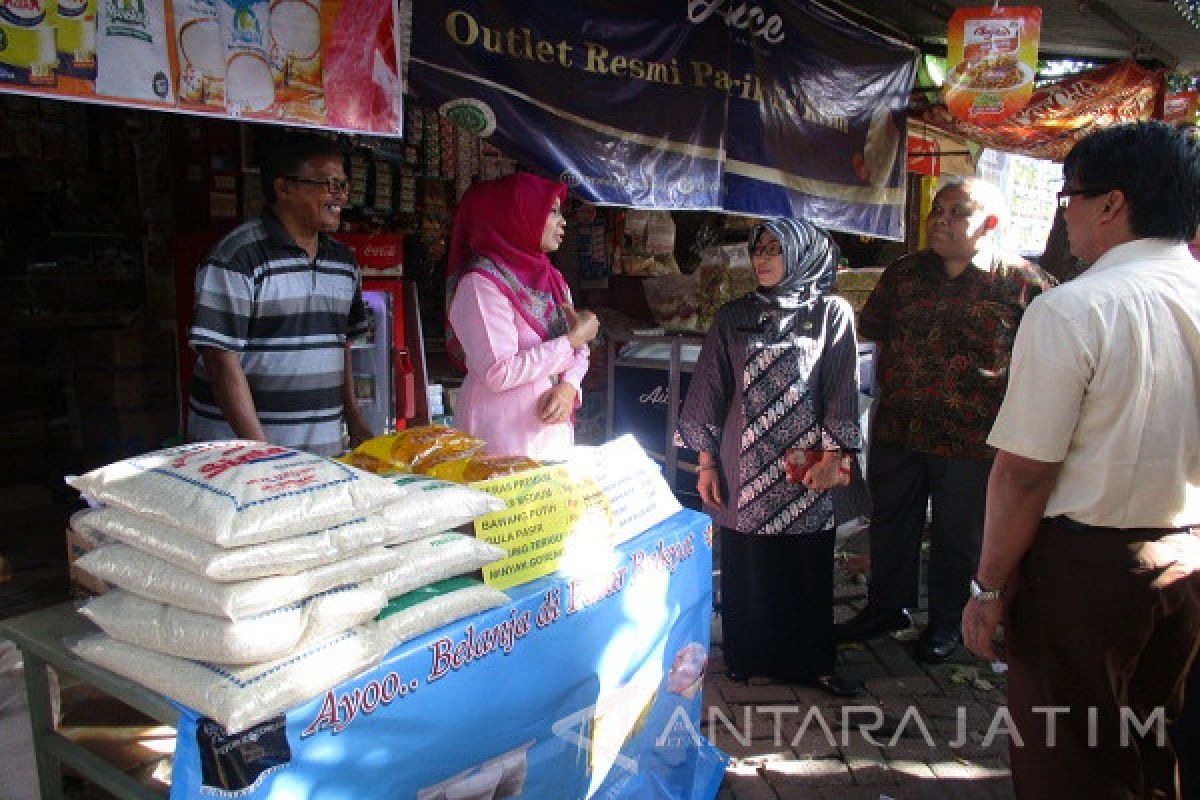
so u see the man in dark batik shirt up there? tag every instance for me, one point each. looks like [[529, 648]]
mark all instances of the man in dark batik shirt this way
[[944, 320]]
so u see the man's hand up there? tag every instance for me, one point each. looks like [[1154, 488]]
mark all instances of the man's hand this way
[[979, 624], [556, 404], [359, 432], [232, 393], [583, 326]]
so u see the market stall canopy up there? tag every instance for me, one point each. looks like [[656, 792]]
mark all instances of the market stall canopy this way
[[767, 107], [1164, 31]]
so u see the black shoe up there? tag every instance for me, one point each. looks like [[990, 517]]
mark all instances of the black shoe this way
[[836, 686], [937, 644], [870, 622]]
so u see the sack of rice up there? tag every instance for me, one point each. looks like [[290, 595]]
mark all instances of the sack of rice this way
[[241, 697], [253, 640], [82, 539], [132, 59], [234, 493], [288, 556], [424, 561], [430, 607], [155, 579], [428, 505]]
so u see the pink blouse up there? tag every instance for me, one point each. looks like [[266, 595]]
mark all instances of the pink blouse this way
[[508, 368]]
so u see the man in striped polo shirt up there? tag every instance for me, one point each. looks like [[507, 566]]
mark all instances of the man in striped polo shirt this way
[[277, 301]]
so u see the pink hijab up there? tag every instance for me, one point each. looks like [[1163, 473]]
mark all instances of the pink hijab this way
[[498, 234]]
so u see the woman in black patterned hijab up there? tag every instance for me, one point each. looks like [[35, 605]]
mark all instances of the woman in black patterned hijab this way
[[778, 373]]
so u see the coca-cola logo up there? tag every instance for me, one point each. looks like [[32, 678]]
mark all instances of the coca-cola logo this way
[[739, 16], [380, 250], [657, 396]]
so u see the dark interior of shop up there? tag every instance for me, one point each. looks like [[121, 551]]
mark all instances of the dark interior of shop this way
[[105, 215]]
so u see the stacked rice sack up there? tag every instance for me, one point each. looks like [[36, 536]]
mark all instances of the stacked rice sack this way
[[249, 576]]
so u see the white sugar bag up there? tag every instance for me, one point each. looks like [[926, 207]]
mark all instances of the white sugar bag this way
[[155, 579], [430, 607], [429, 505], [237, 698], [234, 493], [435, 558], [253, 640], [131, 52], [281, 557]]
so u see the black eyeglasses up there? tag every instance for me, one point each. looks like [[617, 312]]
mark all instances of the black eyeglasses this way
[[767, 251], [332, 185], [1064, 195]]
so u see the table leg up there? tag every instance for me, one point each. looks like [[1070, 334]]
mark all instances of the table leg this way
[[41, 717]]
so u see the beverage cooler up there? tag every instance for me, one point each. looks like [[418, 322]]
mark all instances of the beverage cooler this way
[[384, 384], [648, 379]]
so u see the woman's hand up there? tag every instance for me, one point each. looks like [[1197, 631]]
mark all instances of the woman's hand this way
[[583, 326], [824, 474], [556, 404], [708, 484]]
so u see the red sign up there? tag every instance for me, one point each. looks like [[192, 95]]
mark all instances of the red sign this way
[[923, 156], [376, 253], [1179, 108]]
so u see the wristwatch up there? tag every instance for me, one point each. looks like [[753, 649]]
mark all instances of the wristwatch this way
[[984, 595]]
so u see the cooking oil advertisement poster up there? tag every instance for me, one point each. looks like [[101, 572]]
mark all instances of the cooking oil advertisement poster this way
[[326, 63], [991, 61]]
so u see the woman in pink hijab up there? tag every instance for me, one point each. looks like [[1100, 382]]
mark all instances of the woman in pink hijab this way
[[510, 322]]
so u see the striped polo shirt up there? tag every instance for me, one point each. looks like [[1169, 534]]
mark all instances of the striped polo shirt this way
[[288, 318]]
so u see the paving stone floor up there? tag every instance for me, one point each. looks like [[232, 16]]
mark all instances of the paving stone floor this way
[[918, 730]]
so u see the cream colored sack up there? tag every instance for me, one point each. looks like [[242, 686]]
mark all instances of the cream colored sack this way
[[155, 579], [234, 493], [264, 637], [288, 556], [242, 697]]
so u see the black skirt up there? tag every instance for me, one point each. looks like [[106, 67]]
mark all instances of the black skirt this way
[[777, 604]]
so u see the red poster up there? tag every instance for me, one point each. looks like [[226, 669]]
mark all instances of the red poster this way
[[923, 156]]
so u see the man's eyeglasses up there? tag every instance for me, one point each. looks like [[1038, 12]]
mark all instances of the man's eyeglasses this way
[[332, 185], [956, 212], [767, 251], [1064, 196]]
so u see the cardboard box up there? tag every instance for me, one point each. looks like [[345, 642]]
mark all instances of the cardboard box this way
[[857, 298], [858, 280]]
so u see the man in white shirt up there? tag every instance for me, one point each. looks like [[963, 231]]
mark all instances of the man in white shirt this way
[[1089, 538]]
